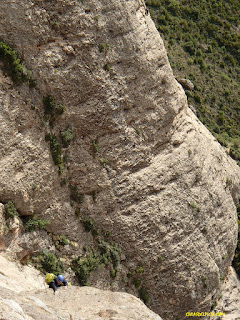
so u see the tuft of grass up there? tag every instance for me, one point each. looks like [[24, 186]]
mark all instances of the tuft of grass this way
[[136, 282], [83, 267], [103, 47], [103, 161], [143, 295], [60, 240], [36, 224], [95, 146], [11, 210], [110, 252], [107, 67]]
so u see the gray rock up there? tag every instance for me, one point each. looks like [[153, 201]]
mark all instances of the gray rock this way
[[150, 172], [186, 83]]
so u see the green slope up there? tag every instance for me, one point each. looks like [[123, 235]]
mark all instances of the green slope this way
[[203, 43]]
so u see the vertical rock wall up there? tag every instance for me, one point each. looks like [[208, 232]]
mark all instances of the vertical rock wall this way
[[150, 172]]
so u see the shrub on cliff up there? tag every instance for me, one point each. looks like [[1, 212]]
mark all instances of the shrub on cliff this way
[[10, 209], [67, 136], [84, 266], [108, 255], [13, 66], [51, 107], [56, 151], [47, 262], [35, 224]]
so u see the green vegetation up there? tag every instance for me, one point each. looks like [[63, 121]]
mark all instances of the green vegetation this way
[[63, 241], [78, 212], [36, 224], [138, 131], [136, 279], [103, 161], [95, 146], [103, 47], [47, 262], [89, 225], [205, 282], [111, 252], [139, 270], [136, 282], [214, 304], [52, 108], [60, 240], [10, 210], [75, 195], [107, 67], [67, 136], [56, 151], [108, 253], [13, 66], [143, 295], [84, 266], [203, 41], [194, 206]]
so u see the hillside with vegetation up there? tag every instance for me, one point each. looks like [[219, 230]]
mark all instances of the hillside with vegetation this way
[[203, 43]]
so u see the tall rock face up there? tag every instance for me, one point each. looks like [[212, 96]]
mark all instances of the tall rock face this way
[[148, 172]]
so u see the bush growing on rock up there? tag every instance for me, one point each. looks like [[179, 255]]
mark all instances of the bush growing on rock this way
[[84, 266], [51, 107], [10, 210], [109, 254], [143, 295], [75, 195], [13, 65], [67, 136], [36, 224], [56, 151], [89, 225], [47, 262]]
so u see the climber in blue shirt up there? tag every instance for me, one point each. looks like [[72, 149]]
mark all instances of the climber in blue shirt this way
[[57, 282]]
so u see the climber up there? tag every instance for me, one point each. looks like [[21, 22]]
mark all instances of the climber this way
[[55, 282]]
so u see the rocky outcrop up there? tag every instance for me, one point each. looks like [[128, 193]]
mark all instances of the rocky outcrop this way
[[229, 299], [140, 163], [25, 296]]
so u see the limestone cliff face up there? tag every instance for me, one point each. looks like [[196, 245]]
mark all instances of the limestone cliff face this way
[[24, 296], [151, 174]]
